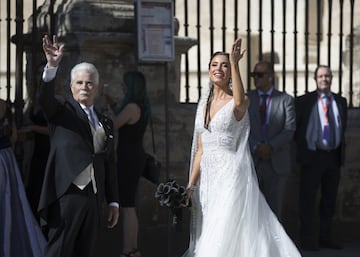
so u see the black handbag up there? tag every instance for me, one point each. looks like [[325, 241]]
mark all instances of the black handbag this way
[[152, 165]]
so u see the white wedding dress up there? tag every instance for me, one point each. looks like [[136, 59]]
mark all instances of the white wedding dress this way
[[230, 217]]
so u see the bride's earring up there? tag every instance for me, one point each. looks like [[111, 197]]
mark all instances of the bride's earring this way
[[230, 84]]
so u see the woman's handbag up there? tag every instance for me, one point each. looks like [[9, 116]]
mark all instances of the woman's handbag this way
[[152, 169], [152, 165]]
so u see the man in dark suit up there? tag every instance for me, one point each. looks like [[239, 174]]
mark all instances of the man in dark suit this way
[[320, 125], [80, 171], [272, 125]]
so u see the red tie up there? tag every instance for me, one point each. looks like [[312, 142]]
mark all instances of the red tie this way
[[329, 127]]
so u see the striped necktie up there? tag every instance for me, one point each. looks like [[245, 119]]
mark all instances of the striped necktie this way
[[91, 117]]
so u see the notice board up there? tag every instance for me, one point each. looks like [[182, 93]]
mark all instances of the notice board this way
[[155, 30]]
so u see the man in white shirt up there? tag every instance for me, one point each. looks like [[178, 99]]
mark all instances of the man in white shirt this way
[[80, 171]]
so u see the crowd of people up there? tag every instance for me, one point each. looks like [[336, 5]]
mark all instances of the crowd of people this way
[[239, 167]]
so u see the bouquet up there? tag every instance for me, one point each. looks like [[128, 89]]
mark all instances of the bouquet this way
[[171, 195]]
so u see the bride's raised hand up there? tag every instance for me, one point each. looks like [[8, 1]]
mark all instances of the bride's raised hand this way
[[53, 51], [236, 51]]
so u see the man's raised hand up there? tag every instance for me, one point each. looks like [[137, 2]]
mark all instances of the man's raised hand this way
[[53, 51]]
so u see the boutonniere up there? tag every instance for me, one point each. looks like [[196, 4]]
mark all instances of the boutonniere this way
[[107, 123]]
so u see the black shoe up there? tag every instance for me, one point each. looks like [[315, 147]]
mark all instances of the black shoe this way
[[330, 245], [309, 246]]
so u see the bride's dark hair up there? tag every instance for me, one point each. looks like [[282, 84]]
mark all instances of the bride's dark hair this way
[[207, 117]]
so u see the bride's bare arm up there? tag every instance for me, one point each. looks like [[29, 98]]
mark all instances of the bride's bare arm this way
[[195, 172], [240, 99]]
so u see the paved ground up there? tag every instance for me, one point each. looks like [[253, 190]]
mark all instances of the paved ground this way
[[167, 241], [159, 239], [352, 250]]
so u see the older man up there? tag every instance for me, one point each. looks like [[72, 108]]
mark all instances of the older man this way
[[80, 170]]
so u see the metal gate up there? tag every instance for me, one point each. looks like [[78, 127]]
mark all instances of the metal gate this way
[[294, 35]]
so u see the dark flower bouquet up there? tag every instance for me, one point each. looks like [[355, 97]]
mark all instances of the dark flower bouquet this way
[[174, 196]]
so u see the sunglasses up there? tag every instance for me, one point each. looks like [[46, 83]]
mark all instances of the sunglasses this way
[[257, 74]]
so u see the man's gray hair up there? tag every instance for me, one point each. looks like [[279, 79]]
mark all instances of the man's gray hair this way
[[85, 66]]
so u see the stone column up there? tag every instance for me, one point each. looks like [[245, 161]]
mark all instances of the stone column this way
[[103, 32]]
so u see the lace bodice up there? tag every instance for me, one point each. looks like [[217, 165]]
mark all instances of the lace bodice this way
[[224, 130]]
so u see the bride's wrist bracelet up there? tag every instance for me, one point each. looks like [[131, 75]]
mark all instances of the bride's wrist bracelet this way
[[191, 187]]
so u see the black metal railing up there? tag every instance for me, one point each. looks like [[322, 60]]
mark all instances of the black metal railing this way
[[219, 27], [317, 32]]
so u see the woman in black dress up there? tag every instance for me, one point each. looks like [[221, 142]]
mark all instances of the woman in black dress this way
[[132, 115]]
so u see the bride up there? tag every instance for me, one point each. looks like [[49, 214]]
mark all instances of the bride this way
[[230, 216]]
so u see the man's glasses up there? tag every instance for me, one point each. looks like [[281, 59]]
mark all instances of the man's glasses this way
[[257, 74]]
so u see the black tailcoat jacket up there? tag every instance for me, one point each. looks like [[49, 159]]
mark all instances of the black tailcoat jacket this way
[[72, 150]]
